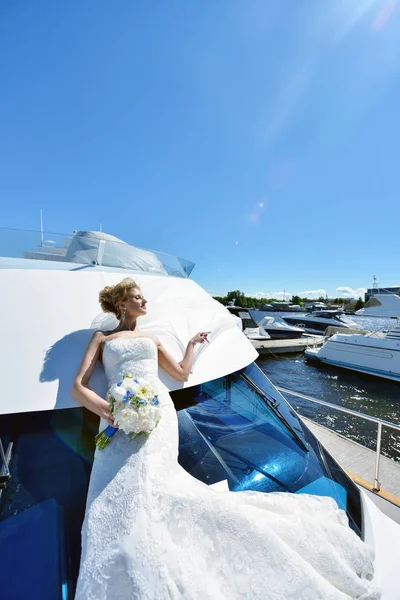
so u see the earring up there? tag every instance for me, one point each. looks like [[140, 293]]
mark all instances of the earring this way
[[123, 314]]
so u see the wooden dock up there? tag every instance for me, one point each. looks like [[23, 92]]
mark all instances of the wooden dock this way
[[273, 347], [359, 462]]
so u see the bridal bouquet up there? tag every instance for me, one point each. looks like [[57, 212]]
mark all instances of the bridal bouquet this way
[[134, 406]]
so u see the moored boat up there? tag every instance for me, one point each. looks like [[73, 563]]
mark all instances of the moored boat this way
[[375, 353], [317, 321]]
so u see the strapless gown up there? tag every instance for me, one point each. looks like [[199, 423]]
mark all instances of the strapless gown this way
[[153, 532]]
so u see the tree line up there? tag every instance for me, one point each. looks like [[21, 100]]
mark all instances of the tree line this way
[[250, 302]]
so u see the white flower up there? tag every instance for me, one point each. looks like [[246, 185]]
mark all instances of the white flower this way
[[131, 386], [118, 392]]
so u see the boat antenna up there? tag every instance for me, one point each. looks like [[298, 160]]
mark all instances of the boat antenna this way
[[375, 284], [41, 228], [101, 229]]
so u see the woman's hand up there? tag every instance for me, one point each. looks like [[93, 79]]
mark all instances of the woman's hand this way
[[107, 416], [200, 338]]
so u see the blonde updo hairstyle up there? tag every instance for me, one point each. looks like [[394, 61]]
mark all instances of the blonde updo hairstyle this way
[[111, 296]]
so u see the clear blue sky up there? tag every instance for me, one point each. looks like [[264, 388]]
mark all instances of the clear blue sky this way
[[258, 138]]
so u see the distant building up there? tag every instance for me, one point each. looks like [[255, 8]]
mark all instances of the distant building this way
[[377, 290]]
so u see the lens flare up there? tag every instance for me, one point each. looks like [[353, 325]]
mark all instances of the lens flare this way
[[384, 15], [256, 212]]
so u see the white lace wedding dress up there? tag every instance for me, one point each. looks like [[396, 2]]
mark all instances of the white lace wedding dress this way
[[153, 532]]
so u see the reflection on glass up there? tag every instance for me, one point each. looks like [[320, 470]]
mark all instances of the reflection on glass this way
[[229, 432]]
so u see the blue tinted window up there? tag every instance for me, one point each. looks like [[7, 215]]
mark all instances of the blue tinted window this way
[[230, 431]]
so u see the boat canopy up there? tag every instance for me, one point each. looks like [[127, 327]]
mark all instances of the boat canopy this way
[[94, 248]]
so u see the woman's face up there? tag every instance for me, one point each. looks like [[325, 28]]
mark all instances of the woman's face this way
[[135, 303]]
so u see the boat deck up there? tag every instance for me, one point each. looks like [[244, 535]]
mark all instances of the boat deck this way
[[359, 462], [287, 346]]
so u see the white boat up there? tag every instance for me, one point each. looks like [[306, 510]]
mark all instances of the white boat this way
[[310, 306], [375, 353], [381, 305], [268, 328], [317, 321], [279, 330], [247, 324], [234, 425], [282, 307]]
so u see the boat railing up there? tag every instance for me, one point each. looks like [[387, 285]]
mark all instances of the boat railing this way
[[381, 423]]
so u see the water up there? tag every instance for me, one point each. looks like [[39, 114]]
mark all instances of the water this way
[[367, 394]]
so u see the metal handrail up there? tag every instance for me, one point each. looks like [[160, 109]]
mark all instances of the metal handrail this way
[[380, 422]]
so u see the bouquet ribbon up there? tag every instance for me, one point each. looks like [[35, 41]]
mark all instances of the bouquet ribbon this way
[[102, 439]]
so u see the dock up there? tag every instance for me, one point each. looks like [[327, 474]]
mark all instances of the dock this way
[[359, 462], [273, 347]]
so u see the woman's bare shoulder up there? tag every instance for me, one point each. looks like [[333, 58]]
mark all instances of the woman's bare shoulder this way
[[154, 338], [98, 336], [103, 336]]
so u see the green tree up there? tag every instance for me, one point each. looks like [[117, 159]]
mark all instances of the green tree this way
[[295, 300], [236, 295], [359, 304]]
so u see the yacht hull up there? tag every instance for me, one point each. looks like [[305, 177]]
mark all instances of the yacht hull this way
[[317, 323], [370, 356], [283, 334]]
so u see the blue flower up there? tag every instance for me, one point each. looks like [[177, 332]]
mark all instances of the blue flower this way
[[155, 401], [141, 401], [127, 397], [119, 383], [136, 380]]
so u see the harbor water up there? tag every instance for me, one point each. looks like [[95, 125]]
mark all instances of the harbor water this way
[[367, 394]]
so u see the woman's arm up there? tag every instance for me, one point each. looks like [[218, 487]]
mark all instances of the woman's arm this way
[[80, 387], [180, 371]]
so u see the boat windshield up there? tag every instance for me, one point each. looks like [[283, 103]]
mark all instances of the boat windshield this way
[[275, 321], [85, 248], [239, 428]]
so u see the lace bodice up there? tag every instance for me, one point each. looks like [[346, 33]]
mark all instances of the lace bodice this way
[[137, 356]]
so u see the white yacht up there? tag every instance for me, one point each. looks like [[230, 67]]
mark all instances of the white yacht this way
[[282, 307], [279, 330], [247, 324], [375, 353], [317, 321], [234, 425], [381, 305], [310, 306], [382, 302]]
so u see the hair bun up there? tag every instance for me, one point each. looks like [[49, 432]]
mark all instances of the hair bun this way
[[106, 299]]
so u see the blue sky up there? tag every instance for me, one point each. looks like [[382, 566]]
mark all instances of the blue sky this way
[[259, 139]]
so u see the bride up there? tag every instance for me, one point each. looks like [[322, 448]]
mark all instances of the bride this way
[[153, 532]]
